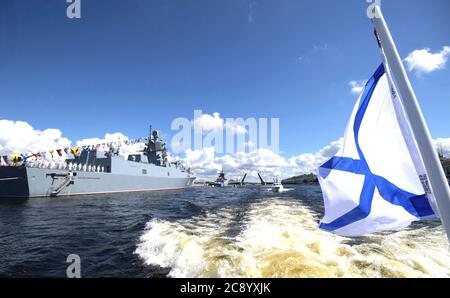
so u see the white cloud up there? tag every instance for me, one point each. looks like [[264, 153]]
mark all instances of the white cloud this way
[[206, 163], [202, 161], [357, 86], [214, 123], [424, 61], [235, 128], [209, 123], [308, 162], [21, 137], [250, 145]]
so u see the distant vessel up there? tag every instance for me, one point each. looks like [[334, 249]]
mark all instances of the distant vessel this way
[[277, 186], [221, 181], [92, 174]]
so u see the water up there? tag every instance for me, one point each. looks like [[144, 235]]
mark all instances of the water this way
[[205, 232]]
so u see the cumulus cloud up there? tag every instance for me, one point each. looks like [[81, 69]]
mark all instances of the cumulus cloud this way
[[206, 163], [250, 145], [357, 86], [424, 61], [21, 137], [215, 123], [307, 163], [208, 123], [235, 128]]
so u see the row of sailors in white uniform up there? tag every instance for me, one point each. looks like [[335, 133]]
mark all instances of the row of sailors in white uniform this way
[[45, 164]]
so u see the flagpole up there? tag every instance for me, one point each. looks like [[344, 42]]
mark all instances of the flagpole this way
[[436, 176]]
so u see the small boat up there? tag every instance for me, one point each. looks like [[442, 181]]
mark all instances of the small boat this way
[[277, 186]]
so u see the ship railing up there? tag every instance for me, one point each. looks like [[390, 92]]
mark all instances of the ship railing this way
[[65, 166]]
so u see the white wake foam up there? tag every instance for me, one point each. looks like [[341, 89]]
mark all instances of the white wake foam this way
[[281, 239]]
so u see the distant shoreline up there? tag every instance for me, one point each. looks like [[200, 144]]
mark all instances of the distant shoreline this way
[[310, 179]]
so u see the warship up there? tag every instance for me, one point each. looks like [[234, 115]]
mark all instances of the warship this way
[[97, 172], [221, 181]]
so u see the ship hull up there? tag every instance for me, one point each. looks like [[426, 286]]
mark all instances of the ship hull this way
[[36, 182]]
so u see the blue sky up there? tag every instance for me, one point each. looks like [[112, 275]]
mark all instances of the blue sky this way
[[127, 64]]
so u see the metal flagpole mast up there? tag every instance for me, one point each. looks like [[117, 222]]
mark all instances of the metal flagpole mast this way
[[436, 176]]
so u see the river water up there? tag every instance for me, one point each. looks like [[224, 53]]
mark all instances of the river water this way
[[205, 232]]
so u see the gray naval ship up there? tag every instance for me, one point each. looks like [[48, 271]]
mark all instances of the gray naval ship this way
[[95, 172]]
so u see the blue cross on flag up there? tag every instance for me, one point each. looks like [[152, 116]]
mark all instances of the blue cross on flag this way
[[377, 181]]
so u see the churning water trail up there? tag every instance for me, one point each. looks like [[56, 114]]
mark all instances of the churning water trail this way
[[279, 238]]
